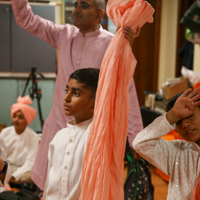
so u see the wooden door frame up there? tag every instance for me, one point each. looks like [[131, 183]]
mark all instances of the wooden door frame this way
[[150, 33], [182, 8]]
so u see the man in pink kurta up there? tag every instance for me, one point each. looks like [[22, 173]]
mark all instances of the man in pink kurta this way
[[75, 51]]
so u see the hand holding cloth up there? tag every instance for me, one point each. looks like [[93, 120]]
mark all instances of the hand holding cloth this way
[[102, 171]]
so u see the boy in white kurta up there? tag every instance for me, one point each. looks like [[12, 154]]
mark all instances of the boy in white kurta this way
[[21, 142], [66, 151], [178, 159]]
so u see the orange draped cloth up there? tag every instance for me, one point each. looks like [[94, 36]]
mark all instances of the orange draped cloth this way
[[102, 171]]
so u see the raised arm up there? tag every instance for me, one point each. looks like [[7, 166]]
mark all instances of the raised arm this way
[[149, 144], [34, 24], [184, 106]]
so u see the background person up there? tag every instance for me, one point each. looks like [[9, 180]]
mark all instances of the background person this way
[[178, 159], [79, 46], [21, 142], [67, 149]]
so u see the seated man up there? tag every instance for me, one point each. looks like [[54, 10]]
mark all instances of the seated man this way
[[21, 142]]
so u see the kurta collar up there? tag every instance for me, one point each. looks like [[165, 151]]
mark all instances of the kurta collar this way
[[92, 34], [25, 130], [80, 126]]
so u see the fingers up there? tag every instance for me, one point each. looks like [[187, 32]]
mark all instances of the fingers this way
[[129, 35], [194, 94], [129, 32], [197, 103], [137, 33], [186, 92], [196, 90]]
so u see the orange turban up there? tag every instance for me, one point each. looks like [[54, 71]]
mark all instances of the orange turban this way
[[23, 105]]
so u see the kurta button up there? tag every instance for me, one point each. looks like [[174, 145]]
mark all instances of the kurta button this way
[[66, 167], [68, 153], [71, 140]]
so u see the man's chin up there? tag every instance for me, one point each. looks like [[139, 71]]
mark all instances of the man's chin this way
[[77, 23]]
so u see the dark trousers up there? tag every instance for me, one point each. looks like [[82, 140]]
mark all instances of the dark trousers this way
[[8, 195]]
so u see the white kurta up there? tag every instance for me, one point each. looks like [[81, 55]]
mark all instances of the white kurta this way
[[21, 149], [8, 172], [65, 157], [178, 159]]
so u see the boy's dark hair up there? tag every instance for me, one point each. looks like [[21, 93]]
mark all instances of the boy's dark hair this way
[[171, 103], [89, 77]]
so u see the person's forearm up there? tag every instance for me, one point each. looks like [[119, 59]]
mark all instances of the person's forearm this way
[[149, 144], [171, 117], [34, 24], [153, 132]]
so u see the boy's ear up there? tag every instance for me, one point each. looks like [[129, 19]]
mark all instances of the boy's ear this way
[[92, 105]]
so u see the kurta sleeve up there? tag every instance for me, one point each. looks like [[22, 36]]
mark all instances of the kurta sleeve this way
[[149, 144], [28, 164], [42, 28], [3, 156]]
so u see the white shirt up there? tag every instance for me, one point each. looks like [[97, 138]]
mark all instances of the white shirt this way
[[65, 156], [8, 172], [178, 159], [21, 149]]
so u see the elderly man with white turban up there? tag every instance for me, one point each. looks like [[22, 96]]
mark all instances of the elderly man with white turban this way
[[21, 142]]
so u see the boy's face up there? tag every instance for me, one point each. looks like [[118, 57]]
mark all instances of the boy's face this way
[[19, 121], [78, 102], [189, 128]]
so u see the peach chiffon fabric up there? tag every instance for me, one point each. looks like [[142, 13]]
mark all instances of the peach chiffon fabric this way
[[102, 171]]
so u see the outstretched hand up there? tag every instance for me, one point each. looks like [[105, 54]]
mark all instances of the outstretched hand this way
[[130, 35], [185, 106]]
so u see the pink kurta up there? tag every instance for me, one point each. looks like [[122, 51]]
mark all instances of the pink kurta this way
[[102, 171], [74, 52]]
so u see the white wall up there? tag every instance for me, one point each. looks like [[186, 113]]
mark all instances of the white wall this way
[[168, 37], [196, 64]]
